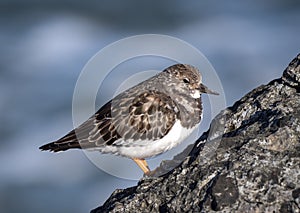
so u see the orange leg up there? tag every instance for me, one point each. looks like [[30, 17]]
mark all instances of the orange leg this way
[[142, 164]]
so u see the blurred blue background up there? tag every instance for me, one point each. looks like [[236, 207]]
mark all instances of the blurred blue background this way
[[45, 44]]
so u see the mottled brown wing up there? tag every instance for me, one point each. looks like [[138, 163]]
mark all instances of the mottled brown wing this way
[[149, 116], [97, 129]]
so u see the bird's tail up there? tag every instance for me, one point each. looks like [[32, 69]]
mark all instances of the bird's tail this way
[[67, 142], [57, 146]]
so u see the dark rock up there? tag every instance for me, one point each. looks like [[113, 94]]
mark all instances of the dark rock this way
[[249, 160], [296, 193], [291, 75]]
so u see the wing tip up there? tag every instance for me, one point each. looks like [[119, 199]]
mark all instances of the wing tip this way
[[58, 146], [50, 147]]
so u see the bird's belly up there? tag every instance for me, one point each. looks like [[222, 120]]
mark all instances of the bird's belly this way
[[145, 149]]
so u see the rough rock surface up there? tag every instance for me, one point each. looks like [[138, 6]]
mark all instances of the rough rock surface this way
[[249, 160]]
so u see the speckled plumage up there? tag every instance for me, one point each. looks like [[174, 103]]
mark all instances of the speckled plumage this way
[[143, 115]]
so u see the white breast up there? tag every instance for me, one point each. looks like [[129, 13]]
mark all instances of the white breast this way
[[145, 148]]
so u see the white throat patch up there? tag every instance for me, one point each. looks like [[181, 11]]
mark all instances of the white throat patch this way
[[196, 94]]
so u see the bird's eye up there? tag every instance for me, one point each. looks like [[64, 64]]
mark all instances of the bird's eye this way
[[186, 80]]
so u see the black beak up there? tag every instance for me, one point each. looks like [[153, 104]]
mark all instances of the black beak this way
[[204, 89]]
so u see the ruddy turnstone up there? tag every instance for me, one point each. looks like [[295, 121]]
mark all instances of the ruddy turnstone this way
[[145, 120]]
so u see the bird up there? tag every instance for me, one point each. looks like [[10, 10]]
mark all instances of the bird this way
[[145, 120]]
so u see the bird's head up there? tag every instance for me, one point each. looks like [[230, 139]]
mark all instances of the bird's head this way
[[189, 79]]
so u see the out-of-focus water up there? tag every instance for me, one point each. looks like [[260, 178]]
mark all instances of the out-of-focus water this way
[[45, 45]]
